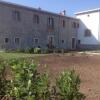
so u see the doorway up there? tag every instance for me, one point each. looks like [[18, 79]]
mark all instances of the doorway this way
[[73, 43], [50, 42]]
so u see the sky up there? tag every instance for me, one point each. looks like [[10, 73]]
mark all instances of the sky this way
[[57, 6]]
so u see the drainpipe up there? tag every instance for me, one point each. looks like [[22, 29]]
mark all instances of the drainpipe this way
[[59, 33], [99, 28]]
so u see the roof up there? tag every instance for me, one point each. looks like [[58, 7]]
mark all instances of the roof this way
[[88, 11], [33, 9]]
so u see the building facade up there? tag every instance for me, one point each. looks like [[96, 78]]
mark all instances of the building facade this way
[[23, 27], [89, 31]]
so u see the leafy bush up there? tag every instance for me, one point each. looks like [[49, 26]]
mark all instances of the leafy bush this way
[[47, 51], [20, 50], [27, 50], [37, 50], [68, 84], [31, 50], [20, 79], [26, 82]]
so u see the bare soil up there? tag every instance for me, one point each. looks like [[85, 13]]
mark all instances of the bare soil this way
[[87, 66]]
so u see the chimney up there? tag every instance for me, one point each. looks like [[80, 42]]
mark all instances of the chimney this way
[[64, 12]]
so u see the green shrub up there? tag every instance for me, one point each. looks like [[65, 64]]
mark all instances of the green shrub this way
[[5, 82], [31, 50], [42, 88], [26, 81], [26, 50], [47, 51], [68, 84], [20, 79], [37, 50], [20, 50]]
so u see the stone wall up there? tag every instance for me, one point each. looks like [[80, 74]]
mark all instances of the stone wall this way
[[27, 30]]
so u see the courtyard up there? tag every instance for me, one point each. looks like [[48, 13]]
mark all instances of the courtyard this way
[[87, 65]]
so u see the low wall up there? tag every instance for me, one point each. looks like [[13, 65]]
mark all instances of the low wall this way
[[88, 47]]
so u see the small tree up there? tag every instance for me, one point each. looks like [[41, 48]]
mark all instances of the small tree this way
[[26, 84], [68, 84]]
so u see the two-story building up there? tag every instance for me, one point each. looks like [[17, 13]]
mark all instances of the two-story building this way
[[89, 31], [24, 27]]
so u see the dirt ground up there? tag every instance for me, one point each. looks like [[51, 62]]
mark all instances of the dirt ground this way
[[87, 66]]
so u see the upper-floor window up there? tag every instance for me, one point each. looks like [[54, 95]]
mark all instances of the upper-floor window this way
[[63, 23], [36, 40], [16, 15], [74, 25], [87, 33], [78, 25], [17, 40], [6, 40], [51, 22], [88, 15], [36, 19]]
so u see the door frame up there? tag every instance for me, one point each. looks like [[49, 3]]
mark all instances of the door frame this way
[[73, 43]]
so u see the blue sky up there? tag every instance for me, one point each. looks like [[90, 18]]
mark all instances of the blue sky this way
[[71, 6]]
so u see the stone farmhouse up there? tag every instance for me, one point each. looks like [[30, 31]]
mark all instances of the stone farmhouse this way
[[24, 27]]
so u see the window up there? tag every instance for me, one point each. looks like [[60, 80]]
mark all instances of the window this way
[[6, 40], [62, 41], [17, 40], [88, 15], [87, 33], [63, 23], [79, 41], [36, 19], [50, 22], [78, 25], [74, 25], [16, 15], [36, 40]]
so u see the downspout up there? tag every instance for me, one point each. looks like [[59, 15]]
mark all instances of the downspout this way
[[99, 28], [59, 33]]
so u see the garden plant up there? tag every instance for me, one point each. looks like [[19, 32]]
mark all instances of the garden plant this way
[[20, 80]]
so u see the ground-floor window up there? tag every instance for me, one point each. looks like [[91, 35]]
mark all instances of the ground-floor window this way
[[17, 40], [79, 41], [36, 40], [62, 41], [6, 40]]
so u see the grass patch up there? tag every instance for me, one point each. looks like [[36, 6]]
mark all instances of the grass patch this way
[[4, 55]]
